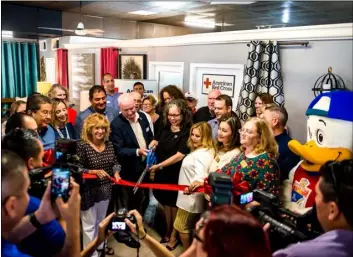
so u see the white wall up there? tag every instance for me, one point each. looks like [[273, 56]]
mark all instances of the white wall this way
[[301, 67], [330, 45]]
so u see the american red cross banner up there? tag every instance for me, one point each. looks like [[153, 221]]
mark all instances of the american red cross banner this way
[[224, 83]]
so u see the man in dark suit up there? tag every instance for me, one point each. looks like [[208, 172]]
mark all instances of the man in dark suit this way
[[207, 113], [131, 136]]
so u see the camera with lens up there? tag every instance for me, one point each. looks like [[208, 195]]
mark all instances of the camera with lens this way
[[117, 223], [286, 227], [65, 155], [221, 185]]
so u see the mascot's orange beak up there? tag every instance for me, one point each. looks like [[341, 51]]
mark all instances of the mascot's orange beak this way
[[315, 156]]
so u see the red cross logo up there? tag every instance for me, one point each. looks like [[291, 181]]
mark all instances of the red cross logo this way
[[207, 83]]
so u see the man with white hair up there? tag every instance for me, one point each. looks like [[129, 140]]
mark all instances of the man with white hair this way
[[207, 113], [131, 136]]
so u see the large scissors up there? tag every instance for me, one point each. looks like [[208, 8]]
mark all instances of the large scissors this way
[[150, 160]]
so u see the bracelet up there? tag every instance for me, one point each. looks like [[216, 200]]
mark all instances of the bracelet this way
[[33, 219], [141, 238]]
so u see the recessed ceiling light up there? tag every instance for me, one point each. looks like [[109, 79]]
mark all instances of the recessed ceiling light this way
[[7, 34], [234, 2], [171, 4], [199, 22], [285, 17], [224, 24], [143, 12]]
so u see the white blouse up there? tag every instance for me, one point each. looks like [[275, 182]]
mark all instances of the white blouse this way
[[195, 167], [222, 158]]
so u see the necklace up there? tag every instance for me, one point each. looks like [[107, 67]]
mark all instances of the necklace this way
[[219, 154], [99, 148], [61, 134]]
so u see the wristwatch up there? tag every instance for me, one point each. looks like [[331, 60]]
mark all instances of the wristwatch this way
[[160, 167], [34, 221]]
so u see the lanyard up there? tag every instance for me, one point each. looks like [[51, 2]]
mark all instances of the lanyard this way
[[61, 134]]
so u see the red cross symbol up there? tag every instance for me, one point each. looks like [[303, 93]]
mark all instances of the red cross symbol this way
[[207, 83]]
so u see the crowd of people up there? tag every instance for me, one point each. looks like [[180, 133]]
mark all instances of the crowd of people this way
[[116, 133]]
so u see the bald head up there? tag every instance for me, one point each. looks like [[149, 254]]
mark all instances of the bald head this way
[[127, 106], [212, 95], [20, 120]]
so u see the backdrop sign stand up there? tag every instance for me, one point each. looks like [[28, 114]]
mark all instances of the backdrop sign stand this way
[[126, 86], [224, 83]]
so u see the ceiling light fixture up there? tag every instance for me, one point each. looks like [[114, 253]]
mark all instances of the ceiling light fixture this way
[[7, 34], [80, 30], [285, 17], [199, 22], [171, 5], [143, 12], [233, 2]]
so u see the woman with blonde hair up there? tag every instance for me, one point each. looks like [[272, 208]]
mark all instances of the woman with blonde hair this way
[[97, 156], [256, 164], [60, 92], [62, 128], [194, 169]]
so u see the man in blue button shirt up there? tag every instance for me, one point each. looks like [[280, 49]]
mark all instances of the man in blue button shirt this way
[[223, 109], [112, 96], [40, 108], [98, 99]]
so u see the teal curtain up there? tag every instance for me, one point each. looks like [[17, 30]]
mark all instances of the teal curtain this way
[[19, 69]]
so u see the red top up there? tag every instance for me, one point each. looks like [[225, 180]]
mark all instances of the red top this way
[[71, 115]]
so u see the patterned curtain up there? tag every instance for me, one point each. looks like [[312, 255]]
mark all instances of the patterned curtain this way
[[262, 75]]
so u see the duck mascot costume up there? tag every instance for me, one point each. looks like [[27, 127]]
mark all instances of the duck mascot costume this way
[[329, 138]]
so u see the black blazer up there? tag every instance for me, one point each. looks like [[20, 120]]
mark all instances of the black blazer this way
[[125, 145]]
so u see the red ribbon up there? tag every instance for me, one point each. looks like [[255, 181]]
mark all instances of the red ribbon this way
[[48, 157], [170, 187], [239, 186]]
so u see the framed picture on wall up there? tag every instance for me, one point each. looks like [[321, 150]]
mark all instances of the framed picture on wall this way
[[133, 66], [82, 66]]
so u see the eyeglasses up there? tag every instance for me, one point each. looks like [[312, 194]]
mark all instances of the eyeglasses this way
[[173, 115], [247, 131]]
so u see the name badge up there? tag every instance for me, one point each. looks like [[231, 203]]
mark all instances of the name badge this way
[[243, 164], [108, 102]]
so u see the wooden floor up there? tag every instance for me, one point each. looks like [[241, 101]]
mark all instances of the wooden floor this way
[[122, 250]]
